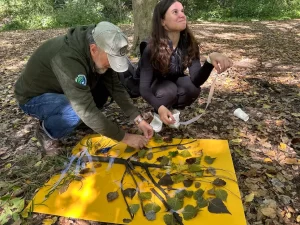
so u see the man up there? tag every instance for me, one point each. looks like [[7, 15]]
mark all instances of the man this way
[[69, 78]]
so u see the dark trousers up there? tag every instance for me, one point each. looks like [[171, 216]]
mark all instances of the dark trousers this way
[[175, 94]]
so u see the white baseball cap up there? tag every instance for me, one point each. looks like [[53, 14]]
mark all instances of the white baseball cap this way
[[114, 42]]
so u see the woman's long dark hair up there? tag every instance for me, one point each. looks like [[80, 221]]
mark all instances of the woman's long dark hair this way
[[159, 43]]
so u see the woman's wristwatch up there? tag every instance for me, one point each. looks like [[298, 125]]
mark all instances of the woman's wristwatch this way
[[138, 119]]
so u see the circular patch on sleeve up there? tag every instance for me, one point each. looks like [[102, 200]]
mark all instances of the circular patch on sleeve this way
[[81, 79]]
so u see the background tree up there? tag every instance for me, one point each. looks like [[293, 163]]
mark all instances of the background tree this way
[[142, 15]]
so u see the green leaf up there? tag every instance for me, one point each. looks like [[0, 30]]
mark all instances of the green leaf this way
[[142, 153], [164, 160], [158, 139], [112, 196], [195, 168], [217, 206], [125, 220], [200, 173], [152, 207], [189, 194], [173, 154], [170, 220], [221, 194], [201, 202], [219, 182], [166, 180], [198, 160], [134, 208], [179, 168], [185, 153], [180, 194], [177, 178], [129, 192], [151, 215], [187, 183], [17, 204], [145, 195], [198, 194], [197, 184], [129, 149], [209, 160], [189, 212], [149, 156], [175, 203]]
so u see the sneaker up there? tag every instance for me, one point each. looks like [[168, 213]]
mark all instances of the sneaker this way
[[50, 147]]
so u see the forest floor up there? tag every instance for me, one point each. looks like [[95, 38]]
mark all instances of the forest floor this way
[[264, 82]]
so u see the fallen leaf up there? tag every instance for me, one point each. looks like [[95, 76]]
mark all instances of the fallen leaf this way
[[290, 161], [129, 149], [219, 182], [201, 202], [175, 203], [149, 156], [145, 195], [209, 160], [112, 196], [166, 180], [152, 207], [187, 183], [269, 212], [191, 160], [151, 215], [129, 192], [126, 220], [216, 205], [282, 146], [221, 194], [189, 212], [197, 184], [134, 208], [198, 194], [250, 197], [185, 153]]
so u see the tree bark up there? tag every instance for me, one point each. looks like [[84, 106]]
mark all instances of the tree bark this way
[[142, 17]]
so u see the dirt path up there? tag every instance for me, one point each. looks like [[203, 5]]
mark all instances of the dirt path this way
[[265, 82]]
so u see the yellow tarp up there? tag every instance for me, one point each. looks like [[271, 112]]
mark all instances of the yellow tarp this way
[[87, 199]]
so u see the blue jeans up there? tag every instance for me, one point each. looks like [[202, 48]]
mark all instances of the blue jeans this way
[[56, 113]]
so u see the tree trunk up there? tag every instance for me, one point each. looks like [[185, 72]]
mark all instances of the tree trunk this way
[[142, 16]]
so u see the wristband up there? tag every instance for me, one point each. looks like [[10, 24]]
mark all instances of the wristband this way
[[138, 119]]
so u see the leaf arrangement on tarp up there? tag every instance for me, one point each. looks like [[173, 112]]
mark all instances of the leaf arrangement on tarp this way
[[172, 181]]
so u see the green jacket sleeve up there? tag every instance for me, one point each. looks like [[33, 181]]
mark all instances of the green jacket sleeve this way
[[119, 94], [66, 68]]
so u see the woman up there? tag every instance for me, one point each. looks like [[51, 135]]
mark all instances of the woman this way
[[172, 49]]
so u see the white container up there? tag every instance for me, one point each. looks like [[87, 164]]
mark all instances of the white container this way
[[241, 114], [176, 114], [156, 123]]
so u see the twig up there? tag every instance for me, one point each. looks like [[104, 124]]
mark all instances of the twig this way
[[122, 191], [138, 189]]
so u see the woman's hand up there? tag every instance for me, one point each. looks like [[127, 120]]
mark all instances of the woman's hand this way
[[220, 62], [165, 115]]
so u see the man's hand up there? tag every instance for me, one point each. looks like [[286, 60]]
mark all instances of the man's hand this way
[[165, 115], [220, 62], [135, 140], [146, 129]]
